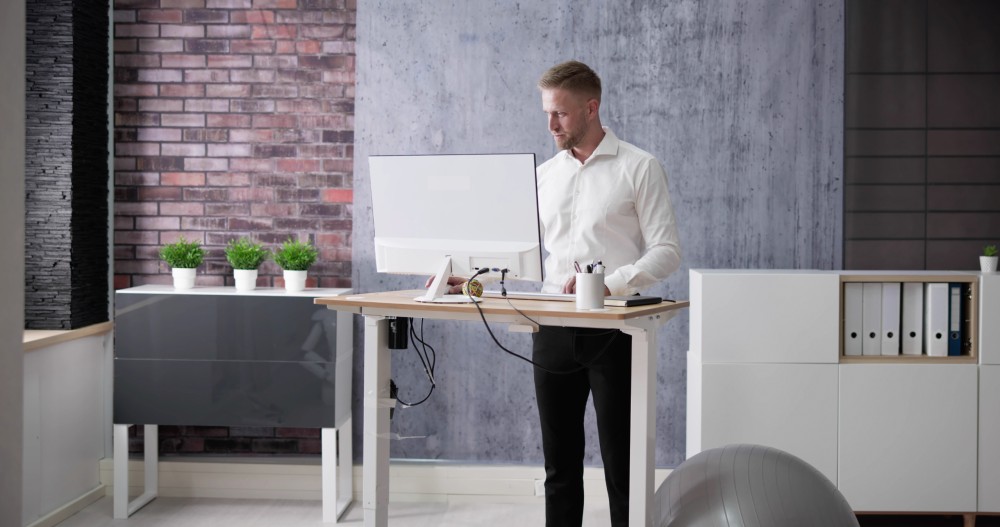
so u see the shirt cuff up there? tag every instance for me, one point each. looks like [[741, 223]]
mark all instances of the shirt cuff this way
[[616, 283]]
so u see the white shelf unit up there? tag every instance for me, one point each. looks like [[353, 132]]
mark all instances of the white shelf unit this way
[[896, 434]]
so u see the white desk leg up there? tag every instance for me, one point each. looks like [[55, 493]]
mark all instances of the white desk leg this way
[[642, 455], [375, 468], [123, 508], [337, 465]]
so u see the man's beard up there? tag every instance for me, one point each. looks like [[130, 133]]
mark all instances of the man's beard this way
[[568, 141]]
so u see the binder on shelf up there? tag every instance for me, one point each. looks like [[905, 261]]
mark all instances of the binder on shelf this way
[[912, 319], [954, 319], [852, 318], [871, 318], [890, 317], [936, 319]]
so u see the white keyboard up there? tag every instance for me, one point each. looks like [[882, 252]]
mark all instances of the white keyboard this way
[[523, 295]]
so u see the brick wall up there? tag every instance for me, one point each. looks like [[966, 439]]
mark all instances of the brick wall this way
[[233, 118], [66, 164], [922, 134]]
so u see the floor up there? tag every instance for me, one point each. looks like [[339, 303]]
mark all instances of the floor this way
[[211, 512]]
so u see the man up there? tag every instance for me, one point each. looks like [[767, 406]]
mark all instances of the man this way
[[600, 199]]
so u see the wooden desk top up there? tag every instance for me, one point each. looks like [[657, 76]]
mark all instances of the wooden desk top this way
[[404, 300]]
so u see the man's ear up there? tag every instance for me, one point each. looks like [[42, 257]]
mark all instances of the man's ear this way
[[592, 106]]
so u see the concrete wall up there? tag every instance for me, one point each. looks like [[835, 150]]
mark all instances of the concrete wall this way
[[12, 260], [741, 102]]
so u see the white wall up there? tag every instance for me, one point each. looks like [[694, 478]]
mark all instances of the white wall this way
[[12, 24]]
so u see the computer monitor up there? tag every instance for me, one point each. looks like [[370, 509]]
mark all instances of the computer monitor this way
[[452, 215]]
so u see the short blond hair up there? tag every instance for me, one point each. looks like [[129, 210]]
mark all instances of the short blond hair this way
[[573, 76]]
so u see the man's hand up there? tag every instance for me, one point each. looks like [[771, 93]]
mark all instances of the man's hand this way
[[454, 284]]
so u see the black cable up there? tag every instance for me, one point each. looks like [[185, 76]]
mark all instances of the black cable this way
[[428, 360]]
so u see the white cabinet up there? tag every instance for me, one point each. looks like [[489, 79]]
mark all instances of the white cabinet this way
[[897, 433], [907, 438], [989, 438]]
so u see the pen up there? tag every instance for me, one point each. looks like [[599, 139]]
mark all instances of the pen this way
[[590, 268], [599, 268], [577, 265]]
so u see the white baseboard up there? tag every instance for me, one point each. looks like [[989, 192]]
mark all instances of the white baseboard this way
[[299, 479], [55, 517]]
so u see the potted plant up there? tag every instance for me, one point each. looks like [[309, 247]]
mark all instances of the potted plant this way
[[245, 256], [294, 257], [183, 257], [988, 261]]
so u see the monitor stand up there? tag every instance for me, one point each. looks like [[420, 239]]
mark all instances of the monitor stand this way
[[439, 286]]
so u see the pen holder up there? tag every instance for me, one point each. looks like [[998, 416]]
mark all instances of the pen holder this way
[[590, 291]]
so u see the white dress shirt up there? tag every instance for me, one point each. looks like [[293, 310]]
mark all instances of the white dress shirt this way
[[613, 208]]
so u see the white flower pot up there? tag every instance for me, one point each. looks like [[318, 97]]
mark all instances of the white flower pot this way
[[295, 280], [183, 278], [246, 279], [988, 264]]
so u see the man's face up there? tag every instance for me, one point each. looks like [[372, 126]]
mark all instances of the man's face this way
[[568, 116]]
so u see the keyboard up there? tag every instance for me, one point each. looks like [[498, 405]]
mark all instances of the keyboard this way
[[524, 295]]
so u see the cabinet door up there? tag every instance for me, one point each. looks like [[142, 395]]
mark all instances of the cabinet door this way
[[908, 437], [989, 309], [791, 407], [989, 439]]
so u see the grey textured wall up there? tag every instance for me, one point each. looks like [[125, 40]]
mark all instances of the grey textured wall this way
[[741, 102]]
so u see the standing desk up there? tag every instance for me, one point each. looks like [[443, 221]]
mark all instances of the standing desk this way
[[639, 322]]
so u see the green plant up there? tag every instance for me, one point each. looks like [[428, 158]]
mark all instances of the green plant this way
[[182, 254], [990, 250], [246, 254], [294, 255]]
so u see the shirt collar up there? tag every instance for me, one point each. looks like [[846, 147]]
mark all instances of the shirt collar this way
[[607, 147]]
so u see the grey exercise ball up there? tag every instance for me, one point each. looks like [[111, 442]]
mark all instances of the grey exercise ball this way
[[751, 486]]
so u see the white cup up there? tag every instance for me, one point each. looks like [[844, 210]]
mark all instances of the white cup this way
[[590, 291]]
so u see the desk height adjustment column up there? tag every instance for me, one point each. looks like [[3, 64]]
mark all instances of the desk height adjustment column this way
[[377, 402]]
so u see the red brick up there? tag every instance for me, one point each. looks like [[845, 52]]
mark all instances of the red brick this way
[[137, 149], [284, 47], [245, 164], [205, 163], [155, 279], [250, 224], [229, 4], [252, 75], [324, 122], [137, 30], [204, 194], [252, 46], [139, 266], [159, 134], [160, 16], [206, 105], [160, 75], [216, 179], [182, 209], [227, 209], [309, 446], [300, 76], [308, 47], [160, 105], [338, 165], [298, 165], [337, 195], [275, 121], [251, 136], [136, 209], [123, 281], [135, 90], [159, 164], [189, 179], [124, 163], [147, 252], [275, 4], [298, 106], [123, 16], [251, 194], [322, 91], [137, 119], [161, 45], [251, 17], [339, 77], [339, 47], [230, 61], [229, 150], [136, 237], [321, 151], [297, 195], [322, 31], [251, 106], [157, 223], [330, 239], [191, 4], [183, 31], [270, 32], [182, 90], [135, 179], [183, 149], [228, 90], [297, 135], [281, 62], [124, 45], [211, 75], [184, 119], [275, 90], [273, 209], [159, 193], [204, 224], [171, 237], [137, 61], [296, 224], [225, 120], [183, 61]]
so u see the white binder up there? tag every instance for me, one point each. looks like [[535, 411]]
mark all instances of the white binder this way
[[871, 318], [912, 315], [852, 318], [890, 317], [936, 319]]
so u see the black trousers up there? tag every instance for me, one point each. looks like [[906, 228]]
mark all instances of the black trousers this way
[[604, 360]]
